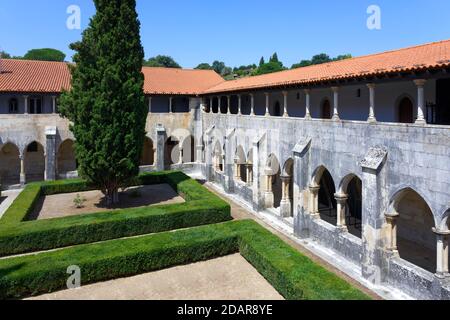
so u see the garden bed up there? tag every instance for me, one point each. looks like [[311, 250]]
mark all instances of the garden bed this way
[[19, 235], [63, 204]]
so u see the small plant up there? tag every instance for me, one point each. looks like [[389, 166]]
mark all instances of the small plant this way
[[79, 201]]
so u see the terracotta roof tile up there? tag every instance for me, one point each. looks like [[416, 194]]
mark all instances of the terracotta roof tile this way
[[179, 81], [52, 77], [432, 55], [33, 76]]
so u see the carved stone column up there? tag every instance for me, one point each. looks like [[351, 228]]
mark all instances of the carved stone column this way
[[341, 201], [314, 200], [286, 205], [391, 219], [441, 252]]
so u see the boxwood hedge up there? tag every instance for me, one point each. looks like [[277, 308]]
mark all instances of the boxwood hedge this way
[[293, 275], [17, 235]]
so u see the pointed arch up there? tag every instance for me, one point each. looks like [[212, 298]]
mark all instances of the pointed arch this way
[[148, 153], [416, 241], [66, 161], [34, 157], [9, 164]]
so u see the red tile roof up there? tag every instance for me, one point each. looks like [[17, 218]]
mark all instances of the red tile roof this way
[[427, 56], [52, 77], [33, 76], [179, 81]]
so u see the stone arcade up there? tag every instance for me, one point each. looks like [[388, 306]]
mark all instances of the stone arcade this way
[[353, 155]]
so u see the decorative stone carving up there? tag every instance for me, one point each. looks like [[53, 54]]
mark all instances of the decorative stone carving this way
[[301, 147], [374, 158]]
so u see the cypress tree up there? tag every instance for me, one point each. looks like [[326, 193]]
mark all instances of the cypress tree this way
[[106, 102]]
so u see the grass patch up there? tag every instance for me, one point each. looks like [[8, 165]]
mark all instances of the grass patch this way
[[292, 274], [17, 235]]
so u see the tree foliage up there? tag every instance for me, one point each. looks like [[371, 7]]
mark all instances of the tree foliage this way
[[319, 59], [204, 66], [162, 61], [106, 103], [274, 65], [46, 54]]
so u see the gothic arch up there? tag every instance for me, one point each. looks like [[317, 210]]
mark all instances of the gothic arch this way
[[66, 160], [9, 164], [416, 241]]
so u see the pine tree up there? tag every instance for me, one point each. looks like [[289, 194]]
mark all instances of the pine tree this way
[[262, 61], [274, 58], [106, 102]]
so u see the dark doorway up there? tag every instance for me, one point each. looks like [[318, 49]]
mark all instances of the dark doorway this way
[[277, 109], [327, 201], [326, 109], [405, 111], [441, 112]]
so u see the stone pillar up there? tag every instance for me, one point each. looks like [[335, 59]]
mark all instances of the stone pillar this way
[[268, 195], [308, 104], [391, 219], [249, 168], [22, 169], [211, 103], [420, 101], [314, 201], [341, 201], [372, 117], [53, 104], [237, 167], [50, 153], [267, 103], [25, 98], [286, 205], [228, 161], [335, 103], [170, 104], [180, 150], [149, 104], [219, 105], [160, 144], [441, 252], [228, 104], [252, 104], [375, 203], [285, 104], [239, 104]]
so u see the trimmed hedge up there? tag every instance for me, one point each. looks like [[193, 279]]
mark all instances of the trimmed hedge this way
[[292, 274], [20, 236]]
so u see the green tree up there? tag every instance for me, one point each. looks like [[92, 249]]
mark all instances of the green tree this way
[[343, 57], [106, 103], [303, 63], [204, 66], [262, 61], [5, 55], [162, 61], [321, 58], [45, 54], [274, 58], [269, 67], [218, 66]]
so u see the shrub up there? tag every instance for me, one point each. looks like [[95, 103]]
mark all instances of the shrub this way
[[291, 273], [20, 236]]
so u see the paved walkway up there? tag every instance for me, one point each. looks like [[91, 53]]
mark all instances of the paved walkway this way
[[226, 278]]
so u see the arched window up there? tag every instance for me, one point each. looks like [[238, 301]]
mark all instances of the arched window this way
[[326, 109], [13, 106], [405, 111]]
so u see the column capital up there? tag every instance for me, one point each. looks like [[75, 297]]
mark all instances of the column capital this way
[[267, 94], [371, 85], [314, 188], [307, 91], [285, 178], [391, 215], [341, 197], [335, 89], [440, 232], [284, 92], [420, 82]]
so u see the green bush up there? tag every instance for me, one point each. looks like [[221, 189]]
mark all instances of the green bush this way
[[292, 274], [20, 236]]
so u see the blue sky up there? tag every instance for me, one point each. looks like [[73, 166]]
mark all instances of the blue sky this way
[[238, 31]]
